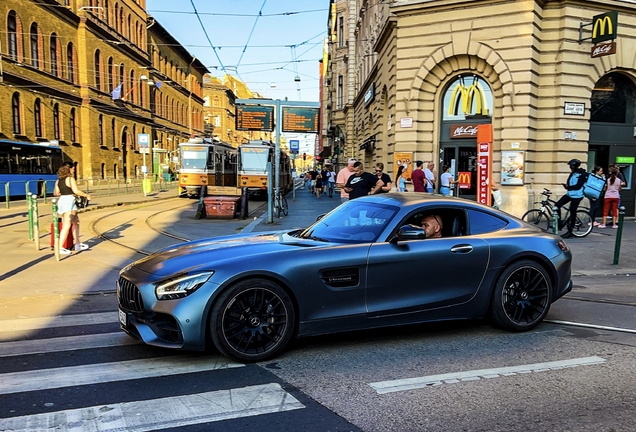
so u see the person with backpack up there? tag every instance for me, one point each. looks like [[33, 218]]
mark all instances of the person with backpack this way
[[574, 194], [612, 198]]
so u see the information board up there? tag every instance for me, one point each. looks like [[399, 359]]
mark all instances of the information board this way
[[254, 118], [300, 119]]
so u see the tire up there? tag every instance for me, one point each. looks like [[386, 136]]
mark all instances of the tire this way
[[276, 208], [252, 321], [538, 218], [583, 224], [522, 296], [283, 205]]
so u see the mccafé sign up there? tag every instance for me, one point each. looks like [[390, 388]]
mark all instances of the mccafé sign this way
[[603, 49], [463, 131]]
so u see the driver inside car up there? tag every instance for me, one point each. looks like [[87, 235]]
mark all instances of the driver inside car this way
[[432, 225]]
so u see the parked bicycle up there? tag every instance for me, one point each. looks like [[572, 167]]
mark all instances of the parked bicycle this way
[[543, 217], [280, 204]]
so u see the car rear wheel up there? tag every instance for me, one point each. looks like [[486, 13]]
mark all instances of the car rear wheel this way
[[522, 296], [252, 321]]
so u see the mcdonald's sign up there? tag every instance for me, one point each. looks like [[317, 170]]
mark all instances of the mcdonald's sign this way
[[464, 178], [466, 96], [604, 27]]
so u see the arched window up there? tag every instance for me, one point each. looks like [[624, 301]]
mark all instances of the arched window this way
[[37, 118], [15, 111], [115, 171], [73, 125], [109, 71], [103, 171], [142, 93], [53, 49], [35, 46], [115, 17], [106, 16], [128, 33], [613, 100], [216, 101], [56, 121], [121, 20], [101, 132], [70, 62], [12, 35], [121, 81], [133, 87], [112, 133], [467, 97], [98, 70], [133, 143]]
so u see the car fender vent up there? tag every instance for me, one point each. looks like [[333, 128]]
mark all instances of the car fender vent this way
[[339, 278]]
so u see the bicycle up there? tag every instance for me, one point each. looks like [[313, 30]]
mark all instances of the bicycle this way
[[543, 217], [280, 204]]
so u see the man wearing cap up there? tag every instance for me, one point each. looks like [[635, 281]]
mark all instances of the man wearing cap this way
[[574, 194], [343, 176]]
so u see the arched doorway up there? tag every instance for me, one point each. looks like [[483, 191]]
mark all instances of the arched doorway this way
[[613, 130], [467, 102]]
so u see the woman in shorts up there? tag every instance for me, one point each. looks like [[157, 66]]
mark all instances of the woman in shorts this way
[[66, 188]]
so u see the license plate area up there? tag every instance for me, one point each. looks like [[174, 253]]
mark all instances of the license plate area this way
[[123, 318]]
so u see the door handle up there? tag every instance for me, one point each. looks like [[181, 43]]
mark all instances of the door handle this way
[[462, 249]]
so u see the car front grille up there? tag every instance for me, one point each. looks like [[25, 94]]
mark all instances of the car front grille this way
[[129, 296]]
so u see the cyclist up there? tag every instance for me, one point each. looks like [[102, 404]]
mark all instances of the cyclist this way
[[574, 194]]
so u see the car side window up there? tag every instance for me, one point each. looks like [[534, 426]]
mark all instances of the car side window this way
[[481, 223]]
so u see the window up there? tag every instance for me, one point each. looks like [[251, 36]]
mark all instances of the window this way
[[217, 120], [106, 17], [15, 110], [467, 97], [341, 32], [101, 131], [12, 31], [73, 125], [70, 63], [98, 70], [37, 118], [112, 133], [109, 72], [53, 49], [56, 121], [133, 86], [121, 81], [481, 223], [115, 17], [129, 26], [340, 92], [35, 48]]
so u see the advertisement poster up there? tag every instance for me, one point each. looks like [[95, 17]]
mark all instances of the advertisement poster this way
[[511, 168], [405, 159]]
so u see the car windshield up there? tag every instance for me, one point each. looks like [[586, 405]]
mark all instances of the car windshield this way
[[356, 221]]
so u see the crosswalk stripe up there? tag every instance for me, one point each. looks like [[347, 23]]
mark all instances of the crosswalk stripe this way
[[24, 324], [451, 378], [66, 343], [43, 379], [163, 413]]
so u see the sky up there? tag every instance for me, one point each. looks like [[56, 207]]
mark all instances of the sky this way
[[274, 46]]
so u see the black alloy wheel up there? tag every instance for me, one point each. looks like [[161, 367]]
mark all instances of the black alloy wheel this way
[[252, 321], [522, 296]]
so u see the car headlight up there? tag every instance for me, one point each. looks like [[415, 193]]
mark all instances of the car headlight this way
[[181, 286]]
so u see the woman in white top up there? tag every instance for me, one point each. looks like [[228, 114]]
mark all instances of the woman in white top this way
[[446, 181]]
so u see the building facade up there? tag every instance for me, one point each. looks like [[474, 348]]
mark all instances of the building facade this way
[[78, 75], [428, 73]]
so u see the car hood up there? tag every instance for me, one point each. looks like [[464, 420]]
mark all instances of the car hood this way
[[201, 254]]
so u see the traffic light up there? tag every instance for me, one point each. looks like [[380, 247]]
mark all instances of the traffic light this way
[[304, 156]]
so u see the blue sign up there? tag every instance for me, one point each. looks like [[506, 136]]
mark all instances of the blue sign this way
[[294, 145]]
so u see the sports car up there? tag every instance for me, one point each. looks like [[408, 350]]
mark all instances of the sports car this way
[[366, 264]]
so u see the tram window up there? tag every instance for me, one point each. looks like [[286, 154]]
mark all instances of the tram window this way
[[4, 164]]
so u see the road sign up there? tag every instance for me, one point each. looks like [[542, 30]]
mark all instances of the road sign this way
[[294, 145], [143, 141]]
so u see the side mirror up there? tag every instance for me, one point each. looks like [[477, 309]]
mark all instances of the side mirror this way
[[411, 232], [320, 217]]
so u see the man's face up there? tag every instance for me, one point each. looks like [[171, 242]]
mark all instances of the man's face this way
[[431, 227], [358, 171], [351, 168], [431, 166]]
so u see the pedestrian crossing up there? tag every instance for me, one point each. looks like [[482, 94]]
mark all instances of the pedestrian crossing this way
[[110, 382]]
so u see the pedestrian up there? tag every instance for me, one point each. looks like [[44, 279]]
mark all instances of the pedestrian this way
[[574, 194], [418, 178], [343, 176], [596, 204], [313, 173], [446, 181], [362, 183], [331, 181], [66, 188], [400, 183], [429, 174], [612, 198], [318, 183], [325, 174], [386, 180]]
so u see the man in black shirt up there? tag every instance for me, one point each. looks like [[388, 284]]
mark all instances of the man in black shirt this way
[[362, 183], [387, 184]]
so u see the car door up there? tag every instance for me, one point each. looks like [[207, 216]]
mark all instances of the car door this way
[[418, 275]]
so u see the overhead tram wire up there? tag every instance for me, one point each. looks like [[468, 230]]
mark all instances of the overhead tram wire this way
[[207, 37], [260, 12], [241, 15]]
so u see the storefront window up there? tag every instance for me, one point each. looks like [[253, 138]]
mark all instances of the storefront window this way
[[467, 97]]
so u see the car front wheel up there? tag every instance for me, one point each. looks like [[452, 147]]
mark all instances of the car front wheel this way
[[522, 296], [252, 321]]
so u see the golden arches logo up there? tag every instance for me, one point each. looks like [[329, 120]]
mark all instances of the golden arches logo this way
[[604, 27], [466, 97], [599, 24], [464, 177]]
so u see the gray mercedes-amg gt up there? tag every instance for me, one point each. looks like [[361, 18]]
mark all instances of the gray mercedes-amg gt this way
[[365, 264]]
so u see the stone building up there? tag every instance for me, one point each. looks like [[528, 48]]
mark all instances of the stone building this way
[[79, 75], [424, 74]]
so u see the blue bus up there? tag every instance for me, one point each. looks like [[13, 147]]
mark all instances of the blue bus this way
[[27, 165]]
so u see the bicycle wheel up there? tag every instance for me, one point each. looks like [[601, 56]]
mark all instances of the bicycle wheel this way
[[283, 205], [538, 218], [583, 224], [276, 207]]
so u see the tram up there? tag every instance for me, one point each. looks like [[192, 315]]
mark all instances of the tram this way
[[253, 167], [28, 166], [206, 162]]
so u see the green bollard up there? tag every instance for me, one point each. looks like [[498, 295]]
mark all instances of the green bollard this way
[[56, 231], [6, 194], [619, 234], [36, 221], [555, 220], [29, 201]]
